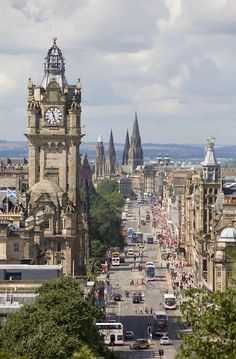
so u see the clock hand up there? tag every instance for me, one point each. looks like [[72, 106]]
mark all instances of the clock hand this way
[[53, 115]]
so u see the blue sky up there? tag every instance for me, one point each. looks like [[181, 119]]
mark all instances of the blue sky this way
[[172, 61]]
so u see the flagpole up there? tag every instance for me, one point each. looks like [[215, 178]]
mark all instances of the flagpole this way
[[7, 203]]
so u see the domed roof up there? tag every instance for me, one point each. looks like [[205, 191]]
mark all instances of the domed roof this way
[[46, 186], [228, 235], [54, 66]]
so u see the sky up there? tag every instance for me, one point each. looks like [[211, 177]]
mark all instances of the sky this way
[[172, 61]]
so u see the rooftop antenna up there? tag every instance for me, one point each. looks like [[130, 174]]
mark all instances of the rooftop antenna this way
[[54, 29]]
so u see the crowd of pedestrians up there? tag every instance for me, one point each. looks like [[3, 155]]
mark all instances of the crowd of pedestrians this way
[[181, 272]]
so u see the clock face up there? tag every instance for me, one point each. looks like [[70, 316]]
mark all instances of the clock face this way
[[53, 116]]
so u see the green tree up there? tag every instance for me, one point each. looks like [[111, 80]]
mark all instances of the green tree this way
[[85, 353], [213, 331], [106, 223], [56, 325], [109, 190]]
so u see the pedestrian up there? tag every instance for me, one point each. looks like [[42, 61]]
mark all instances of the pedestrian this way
[[140, 310], [151, 310]]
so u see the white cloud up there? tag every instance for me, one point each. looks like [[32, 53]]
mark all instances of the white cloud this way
[[171, 60]]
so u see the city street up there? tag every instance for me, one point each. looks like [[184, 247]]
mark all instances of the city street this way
[[134, 316]]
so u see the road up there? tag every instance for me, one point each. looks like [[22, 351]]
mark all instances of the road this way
[[127, 312]]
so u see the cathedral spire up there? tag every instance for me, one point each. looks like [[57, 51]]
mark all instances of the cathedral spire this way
[[135, 150], [135, 138], [111, 147], [54, 66], [126, 150], [111, 157]]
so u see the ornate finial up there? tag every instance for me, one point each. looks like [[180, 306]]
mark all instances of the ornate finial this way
[[78, 86], [54, 40], [210, 142]]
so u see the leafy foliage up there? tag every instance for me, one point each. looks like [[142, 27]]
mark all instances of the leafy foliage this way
[[106, 215], [213, 332], [85, 353], [56, 325]]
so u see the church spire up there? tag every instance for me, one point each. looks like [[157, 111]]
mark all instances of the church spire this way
[[111, 157], [135, 150], [54, 66], [135, 138], [111, 147], [126, 150]]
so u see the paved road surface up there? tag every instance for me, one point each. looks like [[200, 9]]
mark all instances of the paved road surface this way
[[128, 313]]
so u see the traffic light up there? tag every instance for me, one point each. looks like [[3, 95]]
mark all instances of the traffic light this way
[[161, 352]]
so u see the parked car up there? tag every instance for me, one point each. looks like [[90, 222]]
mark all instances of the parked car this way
[[165, 340], [117, 297], [140, 344], [136, 299], [129, 334]]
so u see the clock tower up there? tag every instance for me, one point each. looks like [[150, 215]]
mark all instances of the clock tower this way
[[54, 130], [54, 217]]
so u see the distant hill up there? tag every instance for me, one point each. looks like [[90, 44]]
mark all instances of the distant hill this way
[[178, 152]]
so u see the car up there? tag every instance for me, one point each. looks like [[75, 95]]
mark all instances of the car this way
[[165, 340], [130, 252], [136, 299], [149, 264], [117, 297], [129, 334], [140, 344], [140, 245]]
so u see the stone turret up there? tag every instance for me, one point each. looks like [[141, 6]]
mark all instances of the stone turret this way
[[210, 165]]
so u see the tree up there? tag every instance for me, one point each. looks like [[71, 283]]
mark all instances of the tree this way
[[56, 325], [85, 353], [106, 223], [109, 190], [213, 331]]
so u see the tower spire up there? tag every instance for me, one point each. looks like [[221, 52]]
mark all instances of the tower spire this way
[[111, 157], [135, 150], [126, 150]]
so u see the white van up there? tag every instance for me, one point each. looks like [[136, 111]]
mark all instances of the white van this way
[[130, 252]]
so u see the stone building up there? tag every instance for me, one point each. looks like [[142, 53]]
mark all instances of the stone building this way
[[207, 220], [54, 230]]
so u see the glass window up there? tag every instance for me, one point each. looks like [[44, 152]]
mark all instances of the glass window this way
[[46, 224], [58, 246], [16, 247], [45, 245]]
